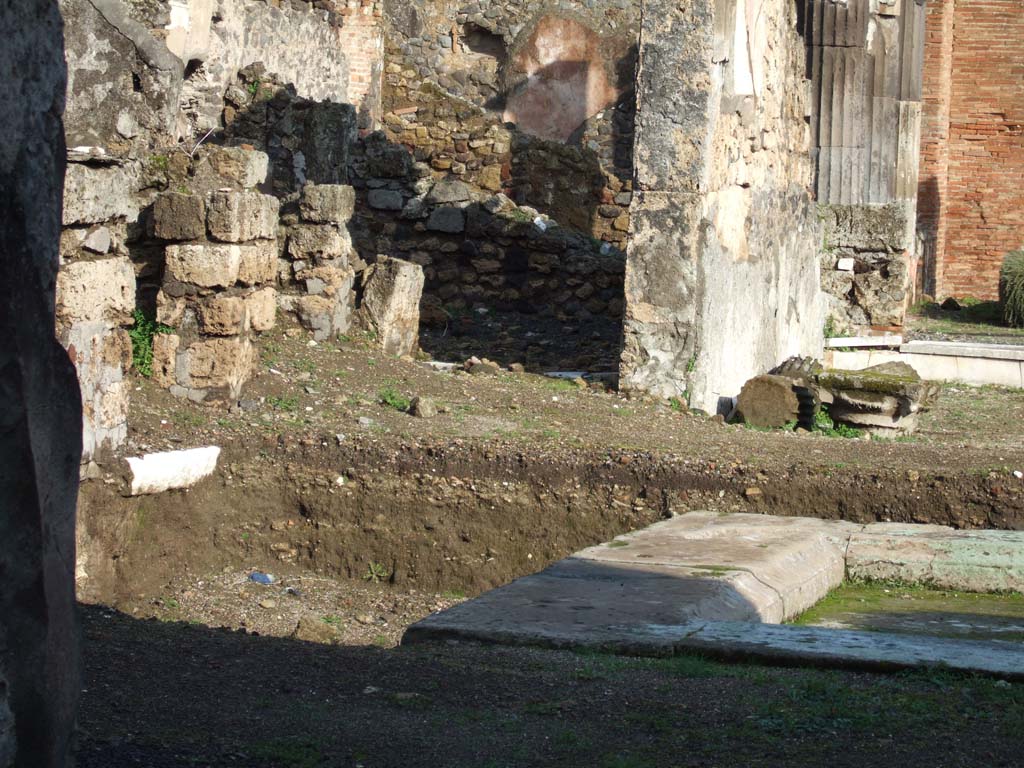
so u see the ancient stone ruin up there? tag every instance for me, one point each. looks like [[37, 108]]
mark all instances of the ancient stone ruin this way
[[687, 191], [678, 195]]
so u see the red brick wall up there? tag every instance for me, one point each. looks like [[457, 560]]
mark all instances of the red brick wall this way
[[362, 40], [933, 188], [972, 181]]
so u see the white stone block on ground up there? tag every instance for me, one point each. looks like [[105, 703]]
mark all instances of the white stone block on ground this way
[[159, 472]]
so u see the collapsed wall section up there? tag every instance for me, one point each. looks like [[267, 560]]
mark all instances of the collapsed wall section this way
[[721, 275]]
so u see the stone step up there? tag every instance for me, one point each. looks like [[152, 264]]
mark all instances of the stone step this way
[[721, 584]]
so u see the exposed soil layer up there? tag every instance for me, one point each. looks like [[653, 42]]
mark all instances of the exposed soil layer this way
[[322, 476], [370, 518]]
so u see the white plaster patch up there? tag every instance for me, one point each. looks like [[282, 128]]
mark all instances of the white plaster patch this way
[[159, 472]]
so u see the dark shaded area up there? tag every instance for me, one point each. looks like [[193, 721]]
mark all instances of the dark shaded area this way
[[186, 695], [41, 418]]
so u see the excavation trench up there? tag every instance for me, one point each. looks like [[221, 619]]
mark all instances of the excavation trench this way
[[453, 520]]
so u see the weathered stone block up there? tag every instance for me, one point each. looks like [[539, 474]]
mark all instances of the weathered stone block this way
[[208, 266], [169, 309], [319, 241], [237, 217], [101, 290], [94, 194], [261, 309], [258, 263], [325, 316], [165, 356], [222, 315], [327, 203], [385, 199], [447, 219], [224, 365], [179, 216], [391, 304], [235, 166]]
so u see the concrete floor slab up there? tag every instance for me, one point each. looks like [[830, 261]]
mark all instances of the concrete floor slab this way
[[793, 557]]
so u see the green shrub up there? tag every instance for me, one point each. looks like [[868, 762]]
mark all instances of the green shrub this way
[[392, 398], [1011, 289], [142, 334]]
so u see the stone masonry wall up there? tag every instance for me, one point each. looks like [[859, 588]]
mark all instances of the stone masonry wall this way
[[560, 72], [866, 92], [721, 279], [147, 83], [973, 158], [219, 268]]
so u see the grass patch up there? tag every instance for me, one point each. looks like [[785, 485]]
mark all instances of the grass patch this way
[[287, 753], [823, 423], [286, 404], [141, 335], [392, 398]]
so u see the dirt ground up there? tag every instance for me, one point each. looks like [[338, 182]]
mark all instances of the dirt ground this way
[[369, 518], [162, 694]]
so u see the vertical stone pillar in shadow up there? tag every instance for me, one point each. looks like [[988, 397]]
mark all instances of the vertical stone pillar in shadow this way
[[40, 416], [670, 157]]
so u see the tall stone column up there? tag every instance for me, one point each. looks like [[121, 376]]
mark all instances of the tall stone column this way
[[40, 417]]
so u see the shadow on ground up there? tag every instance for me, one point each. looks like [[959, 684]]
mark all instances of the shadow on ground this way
[[171, 694]]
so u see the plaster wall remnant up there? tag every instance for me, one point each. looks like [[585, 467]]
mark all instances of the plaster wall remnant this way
[[721, 273], [866, 70], [566, 79], [40, 422]]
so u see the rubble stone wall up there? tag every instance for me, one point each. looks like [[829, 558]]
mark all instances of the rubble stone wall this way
[[721, 276], [561, 73], [973, 153]]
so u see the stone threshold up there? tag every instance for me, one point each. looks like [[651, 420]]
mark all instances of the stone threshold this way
[[721, 585], [743, 641]]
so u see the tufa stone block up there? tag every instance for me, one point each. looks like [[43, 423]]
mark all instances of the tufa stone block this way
[[222, 315], [207, 266], [237, 217], [92, 291], [258, 263], [391, 304], [222, 364], [261, 309], [319, 241], [327, 203], [179, 216]]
